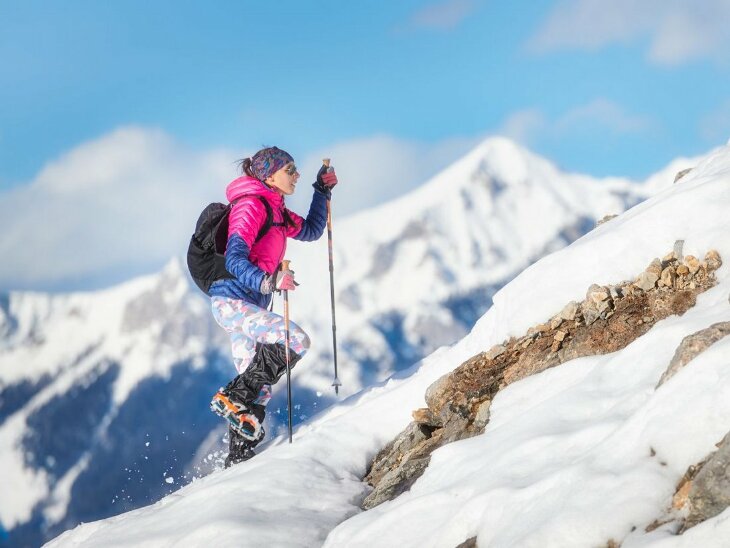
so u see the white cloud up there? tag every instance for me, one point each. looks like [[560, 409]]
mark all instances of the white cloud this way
[[677, 30], [524, 125], [444, 15], [531, 125], [122, 202], [605, 113], [127, 202]]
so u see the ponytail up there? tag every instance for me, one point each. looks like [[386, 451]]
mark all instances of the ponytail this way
[[245, 166]]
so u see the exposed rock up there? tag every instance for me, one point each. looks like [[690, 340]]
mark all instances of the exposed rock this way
[[681, 497], [713, 260], [469, 543], [406, 457], [668, 276], [590, 314], [597, 294], [682, 270], [495, 351], [481, 417], [605, 219], [693, 263], [598, 304], [423, 416], [647, 280], [555, 322], [570, 311], [655, 267], [681, 174], [397, 481], [709, 491], [692, 345], [460, 401]]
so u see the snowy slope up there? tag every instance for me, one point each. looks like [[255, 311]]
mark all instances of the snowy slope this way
[[566, 458], [411, 276]]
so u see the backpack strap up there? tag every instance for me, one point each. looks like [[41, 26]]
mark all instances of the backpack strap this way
[[288, 221]]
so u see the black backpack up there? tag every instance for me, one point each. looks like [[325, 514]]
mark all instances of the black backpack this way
[[206, 251]]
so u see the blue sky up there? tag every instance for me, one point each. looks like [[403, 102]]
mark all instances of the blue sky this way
[[397, 89]]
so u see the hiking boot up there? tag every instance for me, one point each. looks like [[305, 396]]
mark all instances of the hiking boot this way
[[241, 417], [245, 454], [239, 448]]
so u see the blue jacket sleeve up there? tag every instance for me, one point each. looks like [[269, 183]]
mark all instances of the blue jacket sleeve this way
[[237, 263], [313, 225]]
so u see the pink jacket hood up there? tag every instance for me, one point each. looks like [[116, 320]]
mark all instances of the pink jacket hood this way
[[252, 186]]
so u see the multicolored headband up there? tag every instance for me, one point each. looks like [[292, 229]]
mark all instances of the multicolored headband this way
[[268, 161]]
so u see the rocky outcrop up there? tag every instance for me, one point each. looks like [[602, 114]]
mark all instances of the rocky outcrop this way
[[681, 174], [704, 491], [607, 320], [709, 491], [692, 345], [605, 219]]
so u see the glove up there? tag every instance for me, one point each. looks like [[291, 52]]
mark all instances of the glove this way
[[285, 280], [326, 181], [282, 281]]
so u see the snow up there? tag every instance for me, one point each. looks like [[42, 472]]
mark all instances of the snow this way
[[27, 486], [577, 455], [65, 338], [471, 227]]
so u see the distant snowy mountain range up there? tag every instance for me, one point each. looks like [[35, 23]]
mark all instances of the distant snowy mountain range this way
[[103, 395]]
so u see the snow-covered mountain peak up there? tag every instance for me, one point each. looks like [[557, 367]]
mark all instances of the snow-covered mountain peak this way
[[484, 217], [503, 158], [492, 164]]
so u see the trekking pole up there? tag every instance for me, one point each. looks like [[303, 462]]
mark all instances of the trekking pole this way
[[336, 383], [284, 268]]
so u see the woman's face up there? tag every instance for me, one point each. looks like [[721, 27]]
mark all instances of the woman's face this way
[[285, 179]]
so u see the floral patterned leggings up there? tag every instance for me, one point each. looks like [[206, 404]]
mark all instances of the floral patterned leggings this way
[[248, 324]]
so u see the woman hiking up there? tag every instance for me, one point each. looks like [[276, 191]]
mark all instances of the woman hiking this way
[[240, 303]]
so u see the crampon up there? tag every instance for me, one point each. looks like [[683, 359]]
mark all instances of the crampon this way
[[238, 416]]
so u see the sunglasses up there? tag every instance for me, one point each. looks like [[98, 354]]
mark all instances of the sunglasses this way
[[291, 170]]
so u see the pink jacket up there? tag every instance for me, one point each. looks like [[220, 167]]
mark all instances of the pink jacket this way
[[249, 215]]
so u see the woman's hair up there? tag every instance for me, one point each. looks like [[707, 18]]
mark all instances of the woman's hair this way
[[245, 165]]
